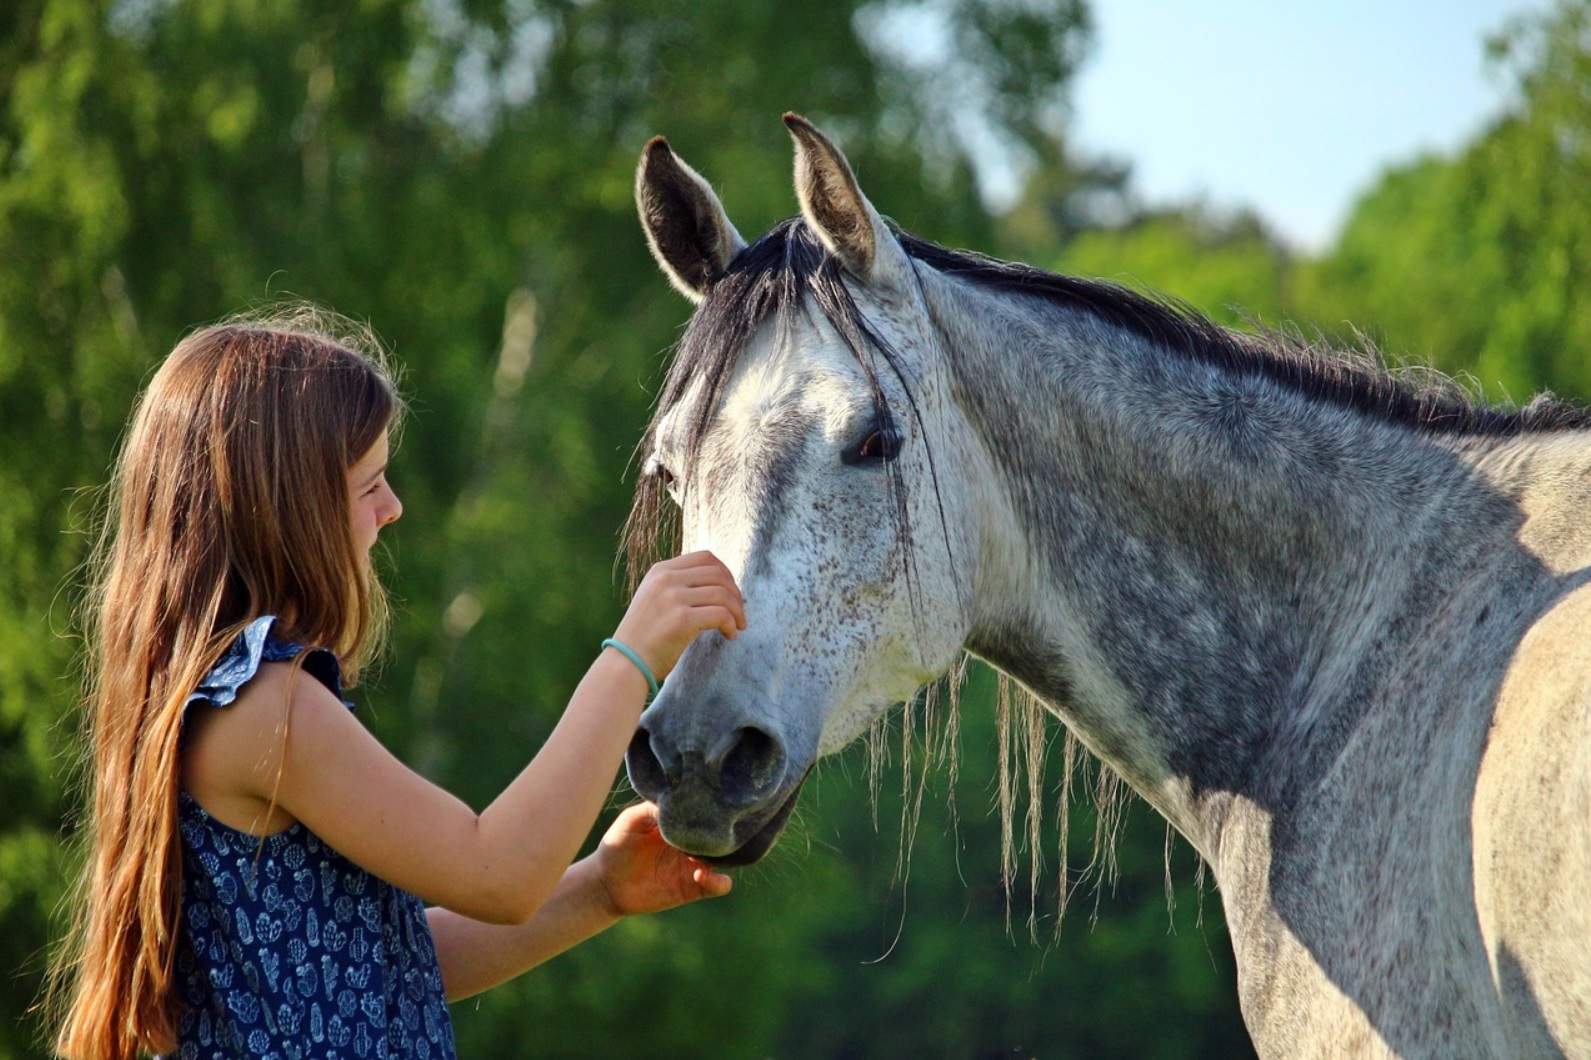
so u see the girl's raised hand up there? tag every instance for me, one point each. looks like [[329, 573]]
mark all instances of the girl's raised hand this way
[[678, 599], [641, 873]]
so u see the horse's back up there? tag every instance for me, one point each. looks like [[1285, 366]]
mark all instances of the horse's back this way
[[1532, 835]]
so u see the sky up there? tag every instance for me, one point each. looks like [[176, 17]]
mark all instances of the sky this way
[[1291, 107]]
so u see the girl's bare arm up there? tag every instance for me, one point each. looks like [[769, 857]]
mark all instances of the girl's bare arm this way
[[632, 871], [297, 746]]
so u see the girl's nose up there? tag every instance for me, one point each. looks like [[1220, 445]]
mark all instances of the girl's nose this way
[[393, 510]]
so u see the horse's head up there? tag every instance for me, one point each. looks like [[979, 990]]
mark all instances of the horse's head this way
[[805, 435]]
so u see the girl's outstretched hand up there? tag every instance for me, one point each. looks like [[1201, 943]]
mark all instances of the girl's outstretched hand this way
[[643, 874], [678, 599]]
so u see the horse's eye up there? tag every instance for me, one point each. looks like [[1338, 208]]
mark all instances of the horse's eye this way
[[879, 446], [663, 475]]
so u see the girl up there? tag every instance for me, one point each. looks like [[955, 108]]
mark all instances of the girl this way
[[258, 863]]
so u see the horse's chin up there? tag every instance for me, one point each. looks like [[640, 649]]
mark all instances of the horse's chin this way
[[752, 850]]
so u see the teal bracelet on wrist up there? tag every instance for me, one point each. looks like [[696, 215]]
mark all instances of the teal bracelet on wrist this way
[[646, 671]]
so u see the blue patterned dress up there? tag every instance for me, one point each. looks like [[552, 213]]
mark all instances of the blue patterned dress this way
[[290, 950]]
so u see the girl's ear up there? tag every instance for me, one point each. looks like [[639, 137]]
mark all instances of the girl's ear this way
[[833, 204], [686, 227]]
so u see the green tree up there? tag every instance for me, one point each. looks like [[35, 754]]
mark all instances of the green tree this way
[[1479, 263], [1227, 266]]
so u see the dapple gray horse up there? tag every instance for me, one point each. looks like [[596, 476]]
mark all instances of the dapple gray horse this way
[[1332, 622]]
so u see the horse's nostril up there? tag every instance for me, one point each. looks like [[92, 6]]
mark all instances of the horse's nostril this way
[[647, 774], [753, 766]]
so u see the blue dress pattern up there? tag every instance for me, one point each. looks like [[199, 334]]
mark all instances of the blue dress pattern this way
[[289, 950]]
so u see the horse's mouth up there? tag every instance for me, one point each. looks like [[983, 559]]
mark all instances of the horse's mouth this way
[[752, 850]]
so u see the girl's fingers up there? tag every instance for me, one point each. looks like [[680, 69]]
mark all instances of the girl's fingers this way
[[724, 617], [702, 568], [638, 819], [702, 558], [693, 565], [702, 579], [717, 599], [708, 597], [712, 884]]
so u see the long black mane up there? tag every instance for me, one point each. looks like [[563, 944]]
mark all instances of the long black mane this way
[[771, 275], [1426, 400], [771, 278]]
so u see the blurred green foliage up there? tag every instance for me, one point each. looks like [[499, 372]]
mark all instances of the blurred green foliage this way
[[1478, 264], [1482, 262], [458, 172]]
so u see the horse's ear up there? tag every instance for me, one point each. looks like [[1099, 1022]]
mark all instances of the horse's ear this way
[[833, 204], [686, 227]]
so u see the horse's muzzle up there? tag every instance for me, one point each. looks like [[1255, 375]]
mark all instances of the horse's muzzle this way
[[726, 803]]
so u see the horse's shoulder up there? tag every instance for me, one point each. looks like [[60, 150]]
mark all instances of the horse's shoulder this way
[[1554, 656], [1531, 822], [1543, 707]]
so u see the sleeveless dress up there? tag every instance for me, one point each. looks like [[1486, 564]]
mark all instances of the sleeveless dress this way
[[288, 949]]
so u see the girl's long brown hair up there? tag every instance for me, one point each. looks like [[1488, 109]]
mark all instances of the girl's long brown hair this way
[[229, 500]]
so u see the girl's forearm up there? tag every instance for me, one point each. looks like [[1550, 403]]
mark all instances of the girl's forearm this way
[[534, 829], [476, 956]]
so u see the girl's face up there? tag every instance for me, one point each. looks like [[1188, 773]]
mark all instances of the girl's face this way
[[370, 497]]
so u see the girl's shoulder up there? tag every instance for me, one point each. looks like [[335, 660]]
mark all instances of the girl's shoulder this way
[[259, 644], [236, 722]]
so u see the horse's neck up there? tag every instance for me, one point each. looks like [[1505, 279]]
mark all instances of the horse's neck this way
[[1193, 568]]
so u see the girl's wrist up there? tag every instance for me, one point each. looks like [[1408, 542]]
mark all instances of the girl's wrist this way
[[592, 881], [623, 674], [615, 647]]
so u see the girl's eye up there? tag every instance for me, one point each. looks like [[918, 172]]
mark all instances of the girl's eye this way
[[880, 445]]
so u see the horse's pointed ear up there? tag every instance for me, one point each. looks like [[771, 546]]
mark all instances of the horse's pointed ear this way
[[686, 227], [833, 204]]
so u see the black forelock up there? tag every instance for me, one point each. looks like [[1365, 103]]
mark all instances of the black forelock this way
[[767, 280], [771, 280]]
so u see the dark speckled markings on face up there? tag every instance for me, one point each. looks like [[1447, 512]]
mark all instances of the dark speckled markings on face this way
[[1246, 573]]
